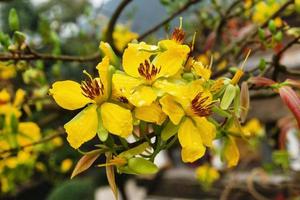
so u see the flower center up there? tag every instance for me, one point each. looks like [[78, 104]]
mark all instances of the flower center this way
[[92, 88], [201, 105], [148, 71], [178, 35]]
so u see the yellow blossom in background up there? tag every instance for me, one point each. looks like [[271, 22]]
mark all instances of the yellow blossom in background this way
[[7, 71], [66, 165], [253, 128], [207, 175], [122, 36], [264, 9], [99, 113]]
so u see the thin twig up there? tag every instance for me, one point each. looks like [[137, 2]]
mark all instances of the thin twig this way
[[45, 56], [167, 20], [112, 23], [44, 140]]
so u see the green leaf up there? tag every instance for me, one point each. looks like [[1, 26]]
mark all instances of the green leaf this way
[[85, 162], [262, 64], [278, 37], [169, 130], [272, 26], [102, 133], [142, 166], [13, 20], [134, 151], [221, 112], [261, 34], [14, 124], [228, 96]]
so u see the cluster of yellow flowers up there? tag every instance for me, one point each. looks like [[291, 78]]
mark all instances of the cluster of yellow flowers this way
[[14, 134], [159, 91]]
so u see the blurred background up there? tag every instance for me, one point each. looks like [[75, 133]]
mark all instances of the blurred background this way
[[64, 37]]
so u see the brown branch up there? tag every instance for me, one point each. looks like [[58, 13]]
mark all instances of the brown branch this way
[[44, 140], [45, 56], [276, 58], [243, 42], [112, 23], [167, 20]]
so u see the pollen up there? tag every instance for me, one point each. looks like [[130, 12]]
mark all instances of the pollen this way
[[148, 71], [178, 35], [92, 88], [201, 105]]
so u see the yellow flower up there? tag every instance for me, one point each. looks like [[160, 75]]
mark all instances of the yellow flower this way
[[263, 10], [253, 128], [99, 114], [231, 152], [7, 71], [189, 109], [142, 72], [202, 70], [66, 165], [207, 175], [8, 108], [122, 36]]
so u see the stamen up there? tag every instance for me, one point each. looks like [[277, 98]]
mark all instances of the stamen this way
[[178, 35], [148, 70], [201, 106], [92, 88]]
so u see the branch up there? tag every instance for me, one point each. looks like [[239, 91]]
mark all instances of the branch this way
[[112, 23], [276, 58], [167, 20], [44, 140], [45, 56]]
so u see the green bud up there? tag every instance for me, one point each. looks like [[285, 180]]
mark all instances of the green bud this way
[[236, 101], [262, 64], [272, 26], [169, 130], [228, 96], [278, 37], [19, 37], [13, 20], [134, 151], [142, 166], [106, 50], [188, 76], [261, 34]]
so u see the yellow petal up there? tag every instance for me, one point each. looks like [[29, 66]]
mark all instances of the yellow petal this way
[[231, 152], [104, 74], [4, 96], [172, 59], [124, 83], [152, 113], [171, 108], [193, 153], [190, 140], [82, 127], [116, 119], [68, 95], [207, 130], [143, 96], [30, 133], [133, 56], [201, 70], [19, 98]]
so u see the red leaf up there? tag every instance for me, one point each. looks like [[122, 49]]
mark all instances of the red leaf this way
[[292, 100]]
